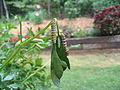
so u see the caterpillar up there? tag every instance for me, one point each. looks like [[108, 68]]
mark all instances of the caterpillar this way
[[53, 31], [64, 42]]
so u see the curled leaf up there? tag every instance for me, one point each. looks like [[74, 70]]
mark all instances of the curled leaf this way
[[56, 67]]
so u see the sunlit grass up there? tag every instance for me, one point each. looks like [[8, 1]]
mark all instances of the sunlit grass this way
[[100, 71]]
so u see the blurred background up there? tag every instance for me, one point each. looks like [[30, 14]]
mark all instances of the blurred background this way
[[76, 17], [92, 29]]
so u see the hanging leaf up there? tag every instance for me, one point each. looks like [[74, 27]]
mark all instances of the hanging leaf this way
[[61, 51], [59, 60], [56, 67]]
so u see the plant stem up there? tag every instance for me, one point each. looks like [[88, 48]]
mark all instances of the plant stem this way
[[20, 30], [57, 27]]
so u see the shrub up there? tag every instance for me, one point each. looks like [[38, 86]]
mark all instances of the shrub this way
[[36, 17], [92, 32], [107, 21], [15, 74], [76, 8], [79, 33], [102, 4]]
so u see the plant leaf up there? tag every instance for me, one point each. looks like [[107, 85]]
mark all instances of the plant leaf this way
[[61, 51], [56, 67], [9, 77]]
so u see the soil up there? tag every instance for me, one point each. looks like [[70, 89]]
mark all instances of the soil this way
[[82, 22]]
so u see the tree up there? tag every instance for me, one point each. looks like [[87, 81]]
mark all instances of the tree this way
[[3, 9]]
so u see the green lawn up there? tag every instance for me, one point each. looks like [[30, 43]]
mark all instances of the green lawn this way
[[91, 72]]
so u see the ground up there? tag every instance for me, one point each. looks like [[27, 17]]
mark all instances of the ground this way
[[82, 22]]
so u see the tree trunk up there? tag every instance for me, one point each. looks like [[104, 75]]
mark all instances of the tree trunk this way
[[49, 2], [6, 10], [1, 8]]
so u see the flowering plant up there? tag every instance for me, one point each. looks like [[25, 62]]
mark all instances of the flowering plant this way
[[107, 21]]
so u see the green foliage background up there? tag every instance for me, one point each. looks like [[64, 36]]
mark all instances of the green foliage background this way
[[61, 8]]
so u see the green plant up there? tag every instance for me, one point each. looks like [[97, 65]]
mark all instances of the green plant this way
[[25, 63], [36, 16], [91, 31], [79, 33], [78, 8], [102, 4], [20, 70]]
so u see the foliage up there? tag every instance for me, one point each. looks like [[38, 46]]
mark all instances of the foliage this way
[[60, 8], [36, 16], [102, 4], [71, 10], [21, 5], [20, 64], [78, 8], [107, 21], [79, 33], [15, 74], [91, 31]]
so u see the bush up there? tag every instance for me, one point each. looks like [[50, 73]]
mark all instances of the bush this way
[[79, 33], [102, 4], [92, 32], [15, 74], [75, 8], [36, 17], [107, 21]]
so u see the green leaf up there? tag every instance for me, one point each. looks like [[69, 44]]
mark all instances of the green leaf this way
[[31, 32], [9, 77], [61, 51], [64, 65], [15, 86], [56, 67]]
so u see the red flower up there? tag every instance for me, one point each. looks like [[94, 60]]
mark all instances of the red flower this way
[[108, 9], [26, 36], [38, 37], [13, 39], [99, 11], [118, 6], [100, 14]]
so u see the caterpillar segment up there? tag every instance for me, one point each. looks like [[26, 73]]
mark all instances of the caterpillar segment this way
[[64, 42], [53, 31]]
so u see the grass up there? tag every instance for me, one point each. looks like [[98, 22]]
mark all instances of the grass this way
[[98, 71]]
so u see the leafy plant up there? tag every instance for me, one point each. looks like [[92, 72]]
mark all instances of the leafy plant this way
[[107, 21], [102, 4], [36, 16], [79, 33]]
